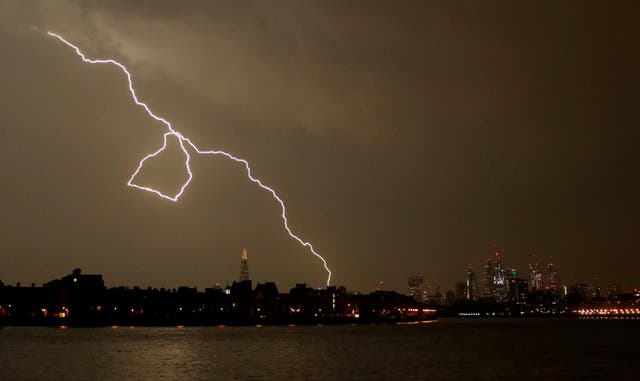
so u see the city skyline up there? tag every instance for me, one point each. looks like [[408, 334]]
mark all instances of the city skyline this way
[[492, 282], [404, 139]]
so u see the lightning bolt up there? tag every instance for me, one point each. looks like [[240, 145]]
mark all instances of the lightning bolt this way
[[186, 144]]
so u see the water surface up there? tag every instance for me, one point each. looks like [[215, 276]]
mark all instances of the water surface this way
[[451, 349]]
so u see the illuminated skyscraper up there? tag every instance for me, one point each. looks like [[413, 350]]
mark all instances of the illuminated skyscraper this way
[[244, 266], [500, 280], [416, 287], [518, 290], [494, 282], [536, 278], [552, 277], [487, 283]]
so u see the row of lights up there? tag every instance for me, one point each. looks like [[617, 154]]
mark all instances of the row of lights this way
[[609, 311]]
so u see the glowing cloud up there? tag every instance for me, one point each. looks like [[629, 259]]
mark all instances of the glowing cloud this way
[[185, 146]]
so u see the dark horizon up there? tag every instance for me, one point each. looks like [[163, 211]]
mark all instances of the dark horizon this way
[[404, 138], [84, 300], [427, 286]]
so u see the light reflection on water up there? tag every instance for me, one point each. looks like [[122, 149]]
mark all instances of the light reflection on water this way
[[450, 349]]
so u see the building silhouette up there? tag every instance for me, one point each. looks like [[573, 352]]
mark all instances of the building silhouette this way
[[461, 290], [518, 290], [415, 284], [472, 291], [84, 300], [83, 294], [244, 267], [536, 277], [552, 277]]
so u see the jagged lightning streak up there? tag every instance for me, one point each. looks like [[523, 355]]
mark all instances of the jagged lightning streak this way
[[184, 143]]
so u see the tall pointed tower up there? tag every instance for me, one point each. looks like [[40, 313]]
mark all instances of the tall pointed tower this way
[[244, 266]]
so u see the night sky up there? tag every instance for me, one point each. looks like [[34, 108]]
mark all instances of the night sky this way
[[404, 137]]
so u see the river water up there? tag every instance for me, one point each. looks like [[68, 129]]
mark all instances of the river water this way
[[450, 349]]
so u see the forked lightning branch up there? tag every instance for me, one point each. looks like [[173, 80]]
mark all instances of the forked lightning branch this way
[[186, 145]]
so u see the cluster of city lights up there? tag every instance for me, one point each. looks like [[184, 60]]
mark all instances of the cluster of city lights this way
[[607, 311], [416, 310]]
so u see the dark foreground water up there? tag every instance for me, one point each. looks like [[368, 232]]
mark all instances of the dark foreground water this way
[[531, 349]]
